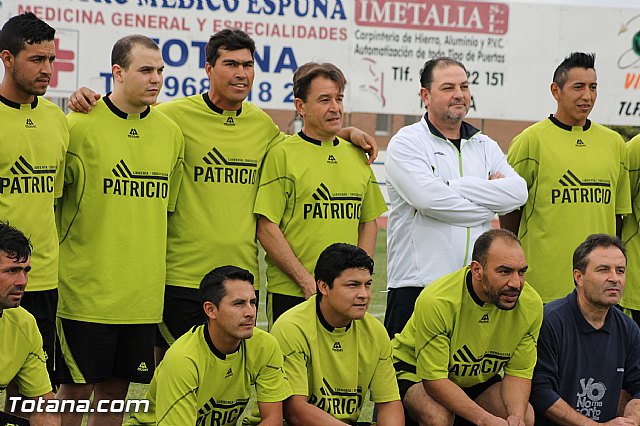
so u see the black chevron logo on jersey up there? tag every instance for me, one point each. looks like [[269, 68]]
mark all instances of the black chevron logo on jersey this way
[[484, 319], [323, 193], [229, 373], [29, 124], [570, 179], [215, 157], [121, 170], [23, 167], [579, 142], [229, 122], [133, 133], [464, 354], [337, 347]]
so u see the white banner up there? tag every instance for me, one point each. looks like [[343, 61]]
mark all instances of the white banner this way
[[509, 48]]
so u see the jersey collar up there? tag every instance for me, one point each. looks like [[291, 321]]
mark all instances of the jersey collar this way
[[114, 109], [467, 131], [566, 126], [216, 108], [16, 105], [472, 292], [214, 350], [324, 322], [315, 141]]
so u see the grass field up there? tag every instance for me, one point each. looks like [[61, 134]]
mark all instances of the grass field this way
[[376, 308]]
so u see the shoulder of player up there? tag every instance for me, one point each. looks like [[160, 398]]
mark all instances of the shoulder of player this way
[[608, 135], [373, 328], [296, 320], [164, 119], [20, 319], [261, 338], [530, 301], [189, 346], [49, 107]]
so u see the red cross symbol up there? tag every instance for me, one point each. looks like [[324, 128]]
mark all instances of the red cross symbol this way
[[63, 63]]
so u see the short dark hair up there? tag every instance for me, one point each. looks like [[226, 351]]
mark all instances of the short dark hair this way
[[574, 60], [483, 243], [14, 243], [25, 28], [306, 73], [426, 74], [228, 39], [593, 241], [121, 52], [337, 258], [212, 286]]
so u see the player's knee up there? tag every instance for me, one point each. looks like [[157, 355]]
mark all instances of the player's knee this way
[[74, 391], [425, 410]]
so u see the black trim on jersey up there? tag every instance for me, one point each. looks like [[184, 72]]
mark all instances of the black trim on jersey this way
[[324, 322], [214, 350], [566, 126], [214, 107], [472, 292], [16, 105], [316, 141], [467, 131], [114, 109]]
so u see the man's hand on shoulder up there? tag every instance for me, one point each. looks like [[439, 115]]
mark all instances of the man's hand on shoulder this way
[[83, 100], [363, 140], [496, 175]]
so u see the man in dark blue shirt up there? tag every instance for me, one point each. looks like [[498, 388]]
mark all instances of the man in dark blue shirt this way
[[588, 353]]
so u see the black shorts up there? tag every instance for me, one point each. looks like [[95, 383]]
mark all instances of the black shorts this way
[[400, 303], [43, 305], [182, 310], [278, 304], [90, 352]]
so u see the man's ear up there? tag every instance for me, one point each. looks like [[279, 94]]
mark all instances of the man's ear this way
[[323, 287], [7, 58], [117, 71], [477, 271], [210, 310]]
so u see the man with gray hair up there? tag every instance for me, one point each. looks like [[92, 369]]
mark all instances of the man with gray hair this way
[[446, 181], [589, 351]]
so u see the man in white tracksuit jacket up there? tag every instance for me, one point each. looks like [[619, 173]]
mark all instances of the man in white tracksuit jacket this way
[[446, 181]]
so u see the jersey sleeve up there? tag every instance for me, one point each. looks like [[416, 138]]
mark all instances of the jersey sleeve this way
[[271, 385], [373, 204], [433, 325], [413, 178], [623, 188], [32, 378], [176, 387], [274, 189], [523, 156], [296, 353], [384, 386], [175, 179], [74, 179], [523, 360], [633, 155], [545, 384]]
